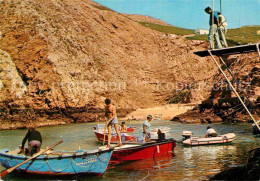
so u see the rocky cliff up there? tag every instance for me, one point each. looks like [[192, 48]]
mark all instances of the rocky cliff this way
[[223, 104], [60, 59]]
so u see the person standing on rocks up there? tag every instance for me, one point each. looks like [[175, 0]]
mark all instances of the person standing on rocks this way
[[213, 31], [110, 114]]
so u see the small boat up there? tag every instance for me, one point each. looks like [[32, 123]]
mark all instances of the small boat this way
[[140, 151], [195, 141], [100, 128], [163, 129], [114, 139], [59, 163]]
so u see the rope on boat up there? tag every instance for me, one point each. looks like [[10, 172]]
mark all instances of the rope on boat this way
[[60, 170], [99, 156], [83, 163], [8, 163], [39, 167]]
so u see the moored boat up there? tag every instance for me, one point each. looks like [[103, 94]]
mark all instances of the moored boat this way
[[100, 128], [139, 151], [114, 139], [163, 129], [195, 141], [59, 163]]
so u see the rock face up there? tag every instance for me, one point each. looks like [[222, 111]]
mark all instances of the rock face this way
[[223, 104], [71, 54]]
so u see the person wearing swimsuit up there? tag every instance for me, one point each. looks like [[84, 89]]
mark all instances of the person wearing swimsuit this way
[[110, 114]]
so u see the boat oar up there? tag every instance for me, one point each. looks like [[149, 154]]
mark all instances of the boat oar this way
[[5, 172]]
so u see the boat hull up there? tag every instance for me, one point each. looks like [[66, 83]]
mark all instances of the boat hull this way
[[195, 141], [78, 163], [142, 151]]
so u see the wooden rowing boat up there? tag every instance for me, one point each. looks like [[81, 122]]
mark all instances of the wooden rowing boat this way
[[63, 163]]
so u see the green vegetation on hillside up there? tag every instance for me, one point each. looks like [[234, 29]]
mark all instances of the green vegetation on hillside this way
[[238, 36], [168, 29]]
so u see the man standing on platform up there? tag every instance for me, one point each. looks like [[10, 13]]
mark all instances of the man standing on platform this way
[[213, 31], [222, 29]]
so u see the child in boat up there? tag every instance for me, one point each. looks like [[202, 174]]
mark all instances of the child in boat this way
[[123, 128], [211, 132]]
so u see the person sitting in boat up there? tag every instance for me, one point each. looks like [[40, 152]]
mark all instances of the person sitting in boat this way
[[123, 128], [211, 132], [34, 141], [146, 128]]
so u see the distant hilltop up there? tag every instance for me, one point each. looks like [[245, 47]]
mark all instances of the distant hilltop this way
[[148, 19]]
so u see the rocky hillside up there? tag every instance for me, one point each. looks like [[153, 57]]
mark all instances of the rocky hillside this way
[[59, 58], [223, 104]]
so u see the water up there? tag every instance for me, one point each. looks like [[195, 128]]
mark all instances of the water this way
[[190, 13], [187, 163]]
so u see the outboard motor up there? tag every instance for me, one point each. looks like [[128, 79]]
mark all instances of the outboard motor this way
[[186, 135], [161, 136]]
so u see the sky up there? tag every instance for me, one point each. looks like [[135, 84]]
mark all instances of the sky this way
[[190, 13]]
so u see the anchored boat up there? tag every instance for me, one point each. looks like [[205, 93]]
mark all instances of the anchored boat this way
[[59, 163], [140, 151], [195, 141], [114, 139]]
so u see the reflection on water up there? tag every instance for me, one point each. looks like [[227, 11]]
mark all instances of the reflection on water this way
[[187, 162]]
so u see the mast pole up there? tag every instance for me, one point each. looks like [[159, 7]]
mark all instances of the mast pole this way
[[234, 89], [220, 6], [212, 23]]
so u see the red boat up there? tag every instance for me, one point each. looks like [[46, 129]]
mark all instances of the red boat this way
[[114, 139], [140, 151], [100, 127]]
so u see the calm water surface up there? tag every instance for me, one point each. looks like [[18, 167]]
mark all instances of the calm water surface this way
[[186, 163]]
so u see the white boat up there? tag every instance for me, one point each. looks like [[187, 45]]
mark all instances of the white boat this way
[[163, 129], [226, 138]]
